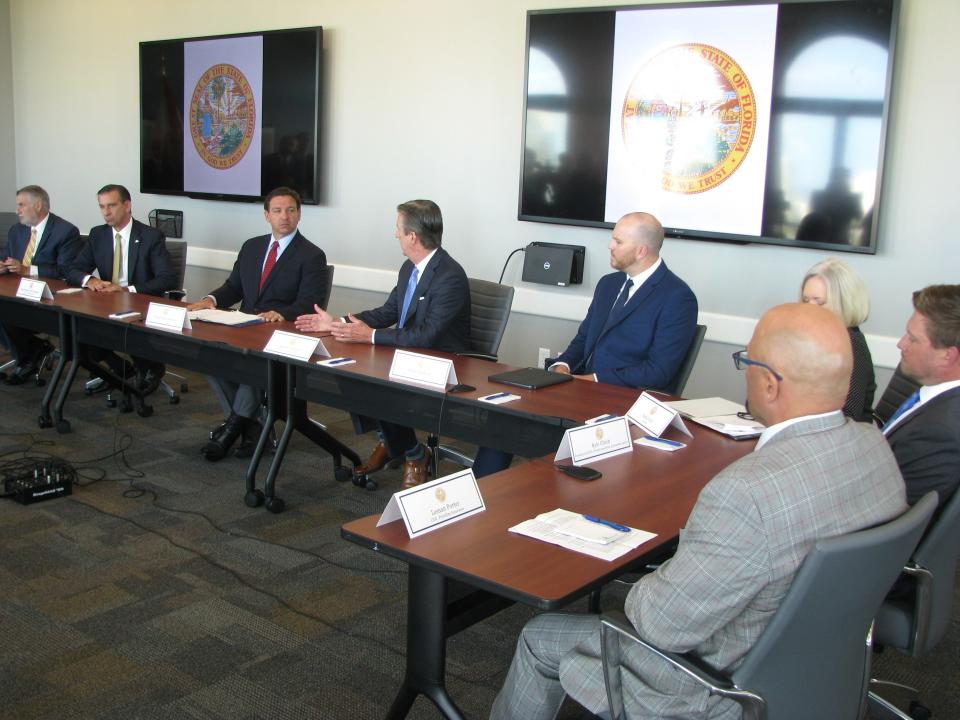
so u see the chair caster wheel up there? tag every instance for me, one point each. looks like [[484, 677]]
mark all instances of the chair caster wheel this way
[[183, 388], [63, 426], [145, 411], [111, 403], [342, 474], [919, 712], [370, 485], [254, 498], [275, 505], [88, 392], [41, 382], [360, 480], [175, 400], [44, 422]]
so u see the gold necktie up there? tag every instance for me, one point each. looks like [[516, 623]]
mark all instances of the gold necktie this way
[[31, 246], [117, 252]]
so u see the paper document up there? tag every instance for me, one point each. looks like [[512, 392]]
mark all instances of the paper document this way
[[548, 528], [720, 415], [225, 317]]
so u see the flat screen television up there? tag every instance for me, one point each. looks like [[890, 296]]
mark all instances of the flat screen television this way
[[731, 121], [231, 117]]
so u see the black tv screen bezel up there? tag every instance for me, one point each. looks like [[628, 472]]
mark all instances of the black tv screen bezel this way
[[318, 188], [703, 235]]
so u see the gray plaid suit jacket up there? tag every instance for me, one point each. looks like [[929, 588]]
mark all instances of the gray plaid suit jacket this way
[[746, 537]]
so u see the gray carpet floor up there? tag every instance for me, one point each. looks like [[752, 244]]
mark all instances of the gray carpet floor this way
[[154, 592]]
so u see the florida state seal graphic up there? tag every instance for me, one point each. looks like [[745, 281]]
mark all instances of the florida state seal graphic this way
[[691, 108], [223, 116]]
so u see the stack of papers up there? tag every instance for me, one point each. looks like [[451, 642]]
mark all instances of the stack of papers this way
[[719, 414], [224, 317], [570, 530]]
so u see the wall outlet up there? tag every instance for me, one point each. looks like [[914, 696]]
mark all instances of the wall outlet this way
[[542, 356]]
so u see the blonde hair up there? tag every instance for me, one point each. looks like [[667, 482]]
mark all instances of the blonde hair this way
[[847, 295]]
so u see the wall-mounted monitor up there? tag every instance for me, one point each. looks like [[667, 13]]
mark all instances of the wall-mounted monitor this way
[[233, 116], [731, 121]]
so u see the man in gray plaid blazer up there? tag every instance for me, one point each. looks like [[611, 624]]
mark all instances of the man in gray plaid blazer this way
[[813, 474]]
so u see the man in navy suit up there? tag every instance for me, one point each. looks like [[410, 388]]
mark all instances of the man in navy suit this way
[[429, 308], [924, 433], [639, 325], [41, 245], [277, 276], [130, 257]]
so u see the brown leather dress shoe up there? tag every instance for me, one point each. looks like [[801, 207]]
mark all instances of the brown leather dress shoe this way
[[377, 460], [415, 471]]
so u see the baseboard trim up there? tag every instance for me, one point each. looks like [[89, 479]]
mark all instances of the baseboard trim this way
[[725, 329]]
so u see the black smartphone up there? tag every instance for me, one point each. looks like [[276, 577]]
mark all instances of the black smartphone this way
[[581, 472]]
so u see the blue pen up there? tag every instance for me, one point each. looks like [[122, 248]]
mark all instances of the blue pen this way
[[671, 443], [608, 523], [339, 361], [497, 395]]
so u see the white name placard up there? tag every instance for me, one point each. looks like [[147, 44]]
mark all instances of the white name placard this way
[[596, 441], [298, 347], [172, 318], [411, 367], [653, 416], [435, 504], [35, 290]]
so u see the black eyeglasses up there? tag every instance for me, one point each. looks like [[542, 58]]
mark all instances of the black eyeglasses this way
[[740, 358]]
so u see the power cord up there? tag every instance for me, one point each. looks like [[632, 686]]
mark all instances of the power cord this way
[[507, 261]]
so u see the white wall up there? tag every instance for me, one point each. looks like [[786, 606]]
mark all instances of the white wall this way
[[424, 99], [8, 180]]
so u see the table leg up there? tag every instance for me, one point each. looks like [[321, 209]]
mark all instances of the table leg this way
[[253, 496], [426, 646], [69, 326]]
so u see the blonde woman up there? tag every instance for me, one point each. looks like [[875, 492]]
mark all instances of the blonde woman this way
[[836, 286]]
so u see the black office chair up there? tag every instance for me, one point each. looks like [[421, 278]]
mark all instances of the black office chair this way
[[813, 659], [490, 305], [898, 389], [679, 382], [914, 618]]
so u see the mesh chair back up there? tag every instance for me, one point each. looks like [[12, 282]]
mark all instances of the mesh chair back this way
[[327, 286], [7, 221], [812, 661], [898, 389], [490, 305], [178, 258], [689, 360]]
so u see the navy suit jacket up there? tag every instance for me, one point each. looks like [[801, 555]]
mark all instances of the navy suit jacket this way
[[645, 343], [439, 314], [148, 263], [926, 444], [55, 251], [295, 284]]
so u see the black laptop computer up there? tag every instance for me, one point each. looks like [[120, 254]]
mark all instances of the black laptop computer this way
[[529, 378]]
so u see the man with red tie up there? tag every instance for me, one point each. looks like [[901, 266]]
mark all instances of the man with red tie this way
[[277, 276]]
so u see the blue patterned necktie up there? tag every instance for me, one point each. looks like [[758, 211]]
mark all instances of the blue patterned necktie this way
[[408, 296], [906, 405]]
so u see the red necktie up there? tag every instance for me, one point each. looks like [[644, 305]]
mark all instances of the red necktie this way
[[271, 261]]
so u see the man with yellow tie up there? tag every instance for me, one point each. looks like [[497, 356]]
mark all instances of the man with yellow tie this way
[[129, 257], [41, 245]]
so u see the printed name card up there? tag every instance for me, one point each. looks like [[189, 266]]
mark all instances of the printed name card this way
[[411, 367], [172, 318], [653, 416], [297, 347], [596, 441], [435, 504], [35, 290]]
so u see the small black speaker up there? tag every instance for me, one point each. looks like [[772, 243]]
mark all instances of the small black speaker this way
[[553, 264]]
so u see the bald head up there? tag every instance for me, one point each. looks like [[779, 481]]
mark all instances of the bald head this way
[[809, 347], [635, 243]]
